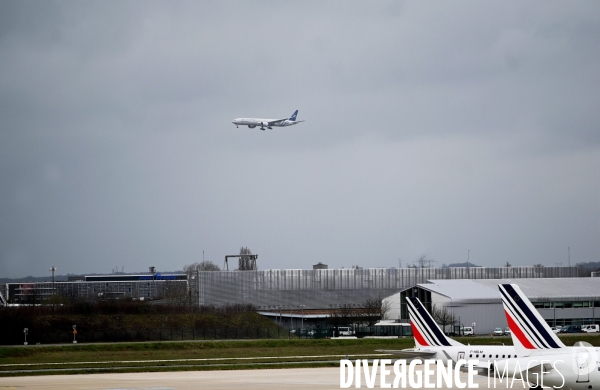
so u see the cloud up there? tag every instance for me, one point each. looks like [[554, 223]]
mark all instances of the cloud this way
[[430, 128]]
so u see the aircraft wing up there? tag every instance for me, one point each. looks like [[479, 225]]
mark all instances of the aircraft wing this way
[[273, 122], [409, 353]]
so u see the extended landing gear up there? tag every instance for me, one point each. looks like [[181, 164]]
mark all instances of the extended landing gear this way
[[262, 128]]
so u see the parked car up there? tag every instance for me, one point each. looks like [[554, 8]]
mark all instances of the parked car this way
[[555, 329], [507, 331], [498, 332], [467, 331], [571, 329], [345, 331], [590, 328]]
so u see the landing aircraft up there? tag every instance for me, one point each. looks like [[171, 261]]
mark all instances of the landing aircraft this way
[[544, 359], [431, 343], [268, 123]]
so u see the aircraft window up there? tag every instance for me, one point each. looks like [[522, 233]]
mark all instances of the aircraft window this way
[[496, 356], [502, 356], [509, 356], [471, 355], [477, 355]]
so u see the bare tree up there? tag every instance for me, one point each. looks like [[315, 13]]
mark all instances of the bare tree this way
[[424, 262], [442, 316], [200, 266], [507, 264], [373, 310], [342, 316], [246, 263]]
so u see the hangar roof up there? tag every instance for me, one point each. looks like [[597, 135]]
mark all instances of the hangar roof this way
[[537, 289]]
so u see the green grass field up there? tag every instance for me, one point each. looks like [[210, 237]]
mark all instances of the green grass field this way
[[203, 355]]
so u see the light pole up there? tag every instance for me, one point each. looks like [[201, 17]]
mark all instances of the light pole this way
[[53, 269], [280, 320], [302, 326], [25, 332], [74, 334]]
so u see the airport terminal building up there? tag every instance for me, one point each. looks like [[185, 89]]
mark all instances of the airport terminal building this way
[[561, 301]]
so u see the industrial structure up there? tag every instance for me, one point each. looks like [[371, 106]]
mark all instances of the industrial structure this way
[[563, 301], [331, 288]]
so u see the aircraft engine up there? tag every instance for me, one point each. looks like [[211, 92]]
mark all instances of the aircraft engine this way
[[264, 124], [251, 126]]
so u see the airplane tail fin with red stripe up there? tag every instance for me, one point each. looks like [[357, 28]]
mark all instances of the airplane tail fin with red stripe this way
[[529, 330], [425, 331]]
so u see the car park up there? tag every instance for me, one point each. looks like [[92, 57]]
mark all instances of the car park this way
[[555, 329], [507, 331], [571, 329], [498, 332]]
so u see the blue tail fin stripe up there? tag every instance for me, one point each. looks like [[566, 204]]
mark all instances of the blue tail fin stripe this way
[[531, 316], [430, 322], [419, 323], [519, 318], [543, 331], [293, 117]]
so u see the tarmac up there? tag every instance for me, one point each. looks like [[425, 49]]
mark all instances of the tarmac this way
[[293, 378]]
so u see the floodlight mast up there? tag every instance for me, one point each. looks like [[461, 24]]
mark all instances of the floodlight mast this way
[[251, 256]]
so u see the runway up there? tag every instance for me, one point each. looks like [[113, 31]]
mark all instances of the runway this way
[[293, 378]]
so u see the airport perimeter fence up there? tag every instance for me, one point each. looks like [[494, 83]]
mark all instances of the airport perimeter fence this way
[[165, 334]]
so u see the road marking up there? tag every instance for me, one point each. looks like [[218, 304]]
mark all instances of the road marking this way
[[190, 360]]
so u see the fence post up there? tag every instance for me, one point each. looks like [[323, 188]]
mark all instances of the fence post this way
[[268, 335]]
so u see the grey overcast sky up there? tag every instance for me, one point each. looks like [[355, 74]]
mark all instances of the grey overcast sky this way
[[432, 128]]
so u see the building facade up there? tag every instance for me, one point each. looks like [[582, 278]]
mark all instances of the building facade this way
[[157, 286], [331, 288], [560, 301]]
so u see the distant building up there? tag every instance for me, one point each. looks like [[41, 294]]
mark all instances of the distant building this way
[[156, 286], [560, 301], [320, 265], [333, 288]]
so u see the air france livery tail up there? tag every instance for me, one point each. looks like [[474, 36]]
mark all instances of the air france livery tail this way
[[425, 331], [530, 332], [293, 117]]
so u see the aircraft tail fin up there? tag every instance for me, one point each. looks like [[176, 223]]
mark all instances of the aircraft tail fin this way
[[425, 331], [529, 330], [293, 117]]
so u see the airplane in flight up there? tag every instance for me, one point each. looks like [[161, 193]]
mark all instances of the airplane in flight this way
[[268, 123], [541, 352], [432, 343]]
